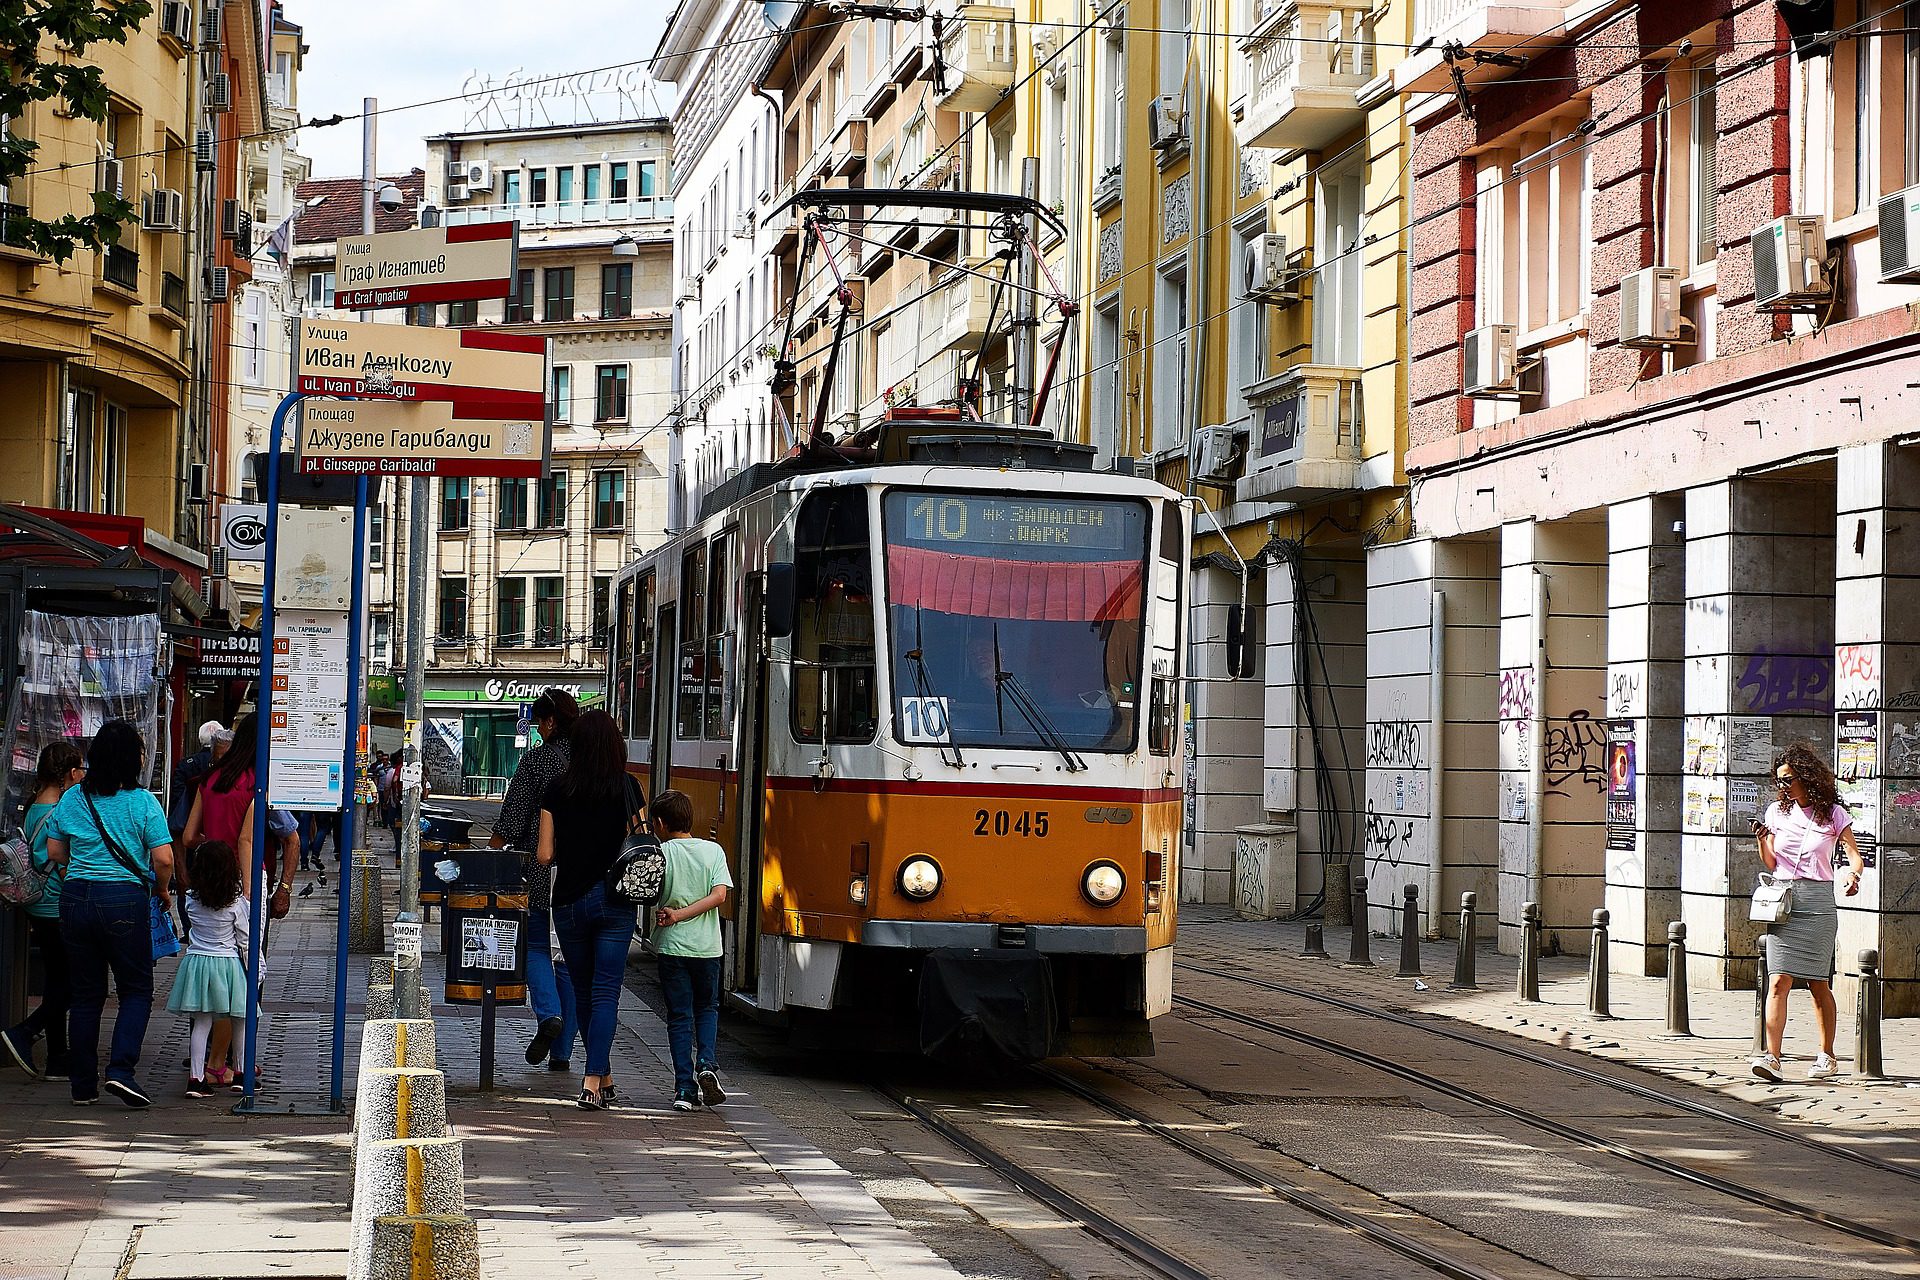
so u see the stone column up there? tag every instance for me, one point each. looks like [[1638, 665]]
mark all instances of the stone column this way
[[1646, 609]]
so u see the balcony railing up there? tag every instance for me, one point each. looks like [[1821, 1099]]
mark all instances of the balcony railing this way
[[977, 57], [123, 267], [570, 213], [173, 294], [1306, 62], [1306, 436], [12, 220]]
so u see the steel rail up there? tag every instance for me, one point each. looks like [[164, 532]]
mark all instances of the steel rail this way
[[1646, 1092], [1580, 1137]]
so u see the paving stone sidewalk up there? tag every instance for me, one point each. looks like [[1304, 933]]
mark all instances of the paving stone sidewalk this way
[[1715, 1056]]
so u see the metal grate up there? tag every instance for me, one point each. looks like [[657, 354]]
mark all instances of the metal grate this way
[[1768, 245], [1895, 254]]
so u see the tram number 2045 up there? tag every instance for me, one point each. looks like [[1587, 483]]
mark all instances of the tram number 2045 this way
[[1007, 822]]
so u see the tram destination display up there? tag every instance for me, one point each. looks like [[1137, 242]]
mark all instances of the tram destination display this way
[[956, 521]]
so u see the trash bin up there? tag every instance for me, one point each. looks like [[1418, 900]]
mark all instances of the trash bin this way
[[483, 930]]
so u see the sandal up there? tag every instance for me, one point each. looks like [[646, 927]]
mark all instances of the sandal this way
[[590, 1100]]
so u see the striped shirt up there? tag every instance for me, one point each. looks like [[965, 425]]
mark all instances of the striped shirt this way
[[519, 820]]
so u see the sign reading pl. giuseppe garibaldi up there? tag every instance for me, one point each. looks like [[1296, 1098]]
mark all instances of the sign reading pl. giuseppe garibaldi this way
[[472, 367], [428, 438], [432, 264]]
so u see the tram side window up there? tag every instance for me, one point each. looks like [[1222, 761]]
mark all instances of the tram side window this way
[[719, 667], [690, 712], [640, 716], [621, 703], [833, 655]]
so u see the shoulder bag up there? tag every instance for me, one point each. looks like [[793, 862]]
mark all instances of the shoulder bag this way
[[638, 875], [1772, 900], [22, 883], [166, 940]]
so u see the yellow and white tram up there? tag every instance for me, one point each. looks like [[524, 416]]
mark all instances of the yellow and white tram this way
[[928, 699]]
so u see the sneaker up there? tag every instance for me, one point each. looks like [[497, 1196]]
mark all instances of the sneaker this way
[[20, 1050], [686, 1102], [198, 1089], [590, 1101], [1767, 1067], [543, 1039], [1823, 1068], [57, 1067], [559, 1064], [711, 1094], [128, 1092], [609, 1093], [87, 1101]]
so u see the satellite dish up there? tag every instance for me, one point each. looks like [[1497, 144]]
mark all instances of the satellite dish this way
[[779, 13]]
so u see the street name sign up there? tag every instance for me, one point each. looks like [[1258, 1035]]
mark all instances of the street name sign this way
[[471, 367], [425, 438], [431, 264]]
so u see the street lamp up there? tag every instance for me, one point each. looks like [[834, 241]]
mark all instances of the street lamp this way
[[625, 246]]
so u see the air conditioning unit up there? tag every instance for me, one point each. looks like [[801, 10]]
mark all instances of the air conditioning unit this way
[[1900, 235], [743, 225], [689, 290], [210, 27], [1166, 122], [1489, 366], [176, 21], [216, 562], [236, 224], [479, 175], [1268, 278], [219, 92], [163, 210], [107, 176], [203, 149], [456, 192], [219, 284], [1789, 262], [1213, 456], [1650, 309]]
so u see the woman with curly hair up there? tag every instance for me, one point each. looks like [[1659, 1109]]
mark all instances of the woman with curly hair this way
[[1798, 837]]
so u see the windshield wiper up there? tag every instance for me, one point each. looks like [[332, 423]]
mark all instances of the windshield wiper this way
[[924, 682], [1034, 713]]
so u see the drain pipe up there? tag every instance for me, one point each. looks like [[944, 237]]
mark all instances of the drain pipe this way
[[1436, 754], [1537, 752]]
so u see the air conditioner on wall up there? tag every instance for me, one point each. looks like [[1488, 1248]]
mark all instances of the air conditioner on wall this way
[[176, 21], [1488, 363], [162, 210], [456, 192], [477, 174], [210, 27], [1789, 262], [1166, 122], [219, 92], [219, 283], [1213, 456], [1268, 278], [1650, 309], [107, 176], [203, 149], [1900, 235]]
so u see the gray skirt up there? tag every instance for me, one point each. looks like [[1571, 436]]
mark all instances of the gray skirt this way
[[1802, 945]]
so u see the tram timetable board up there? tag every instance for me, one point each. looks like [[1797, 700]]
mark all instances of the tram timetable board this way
[[951, 520]]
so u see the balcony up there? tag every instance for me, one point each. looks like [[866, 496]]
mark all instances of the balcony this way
[[1305, 62], [122, 268], [850, 148], [571, 213], [173, 297], [1305, 444], [977, 55], [1477, 26], [12, 226], [963, 303]]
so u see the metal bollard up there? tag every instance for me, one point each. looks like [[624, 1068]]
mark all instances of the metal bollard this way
[[1360, 955], [1529, 985], [1760, 985], [1678, 1021], [1316, 948], [1410, 933], [1866, 1029], [1597, 994], [1469, 942]]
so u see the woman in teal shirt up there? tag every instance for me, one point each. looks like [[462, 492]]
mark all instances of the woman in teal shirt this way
[[60, 768], [111, 836]]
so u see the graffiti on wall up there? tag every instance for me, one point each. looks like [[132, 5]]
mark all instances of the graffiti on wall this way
[[1389, 839], [1574, 754], [1783, 683], [1856, 676], [1623, 693], [1396, 744]]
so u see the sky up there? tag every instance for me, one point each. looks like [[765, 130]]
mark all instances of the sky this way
[[411, 51]]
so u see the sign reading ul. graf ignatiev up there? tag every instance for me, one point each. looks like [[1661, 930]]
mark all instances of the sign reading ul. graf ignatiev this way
[[385, 437], [502, 371], [432, 264]]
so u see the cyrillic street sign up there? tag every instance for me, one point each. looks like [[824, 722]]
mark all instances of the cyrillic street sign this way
[[425, 438], [432, 264], [474, 367]]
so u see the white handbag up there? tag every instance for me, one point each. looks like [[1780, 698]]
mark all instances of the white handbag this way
[[1772, 900]]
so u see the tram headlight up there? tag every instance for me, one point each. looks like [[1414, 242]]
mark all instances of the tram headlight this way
[[1103, 884], [920, 877]]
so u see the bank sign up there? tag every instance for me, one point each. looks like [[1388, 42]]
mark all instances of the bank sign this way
[[432, 264], [243, 531]]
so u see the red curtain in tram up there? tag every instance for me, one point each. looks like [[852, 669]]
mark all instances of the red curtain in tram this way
[[1025, 590]]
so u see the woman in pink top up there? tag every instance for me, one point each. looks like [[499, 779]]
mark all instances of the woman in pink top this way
[[1798, 837]]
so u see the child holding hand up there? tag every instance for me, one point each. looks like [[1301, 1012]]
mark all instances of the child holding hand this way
[[212, 981], [687, 940]]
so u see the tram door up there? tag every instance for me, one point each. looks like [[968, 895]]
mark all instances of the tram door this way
[[750, 813], [666, 685]]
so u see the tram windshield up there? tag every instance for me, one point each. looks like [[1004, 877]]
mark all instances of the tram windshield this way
[[1015, 621]]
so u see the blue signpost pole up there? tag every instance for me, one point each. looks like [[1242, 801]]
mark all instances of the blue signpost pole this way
[[344, 842]]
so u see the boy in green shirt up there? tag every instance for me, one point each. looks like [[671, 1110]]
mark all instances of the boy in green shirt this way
[[687, 941]]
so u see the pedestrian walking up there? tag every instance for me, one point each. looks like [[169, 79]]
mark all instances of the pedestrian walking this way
[[1798, 837], [188, 773], [60, 767], [110, 836], [549, 982], [585, 817], [687, 941], [211, 986]]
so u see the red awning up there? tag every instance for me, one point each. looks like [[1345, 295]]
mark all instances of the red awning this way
[[1032, 591]]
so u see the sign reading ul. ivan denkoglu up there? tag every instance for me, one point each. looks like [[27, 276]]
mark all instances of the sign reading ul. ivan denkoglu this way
[[433, 264], [474, 367], [432, 438]]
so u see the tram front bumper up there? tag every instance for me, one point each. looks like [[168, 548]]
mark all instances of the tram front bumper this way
[[1050, 939]]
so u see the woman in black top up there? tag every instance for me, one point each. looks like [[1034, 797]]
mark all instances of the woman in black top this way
[[584, 819]]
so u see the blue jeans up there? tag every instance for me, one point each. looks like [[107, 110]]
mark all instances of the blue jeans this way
[[105, 926], [549, 986], [692, 988], [594, 936]]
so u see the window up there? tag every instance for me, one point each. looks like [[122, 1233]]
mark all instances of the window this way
[[719, 666], [512, 192], [550, 611], [618, 182], [82, 407], [1687, 235], [560, 404], [382, 639], [553, 501], [453, 610], [1105, 431], [520, 301], [636, 655], [422, 314], [602, 609], [320, 289], [537, 184], [113, 458], [590, 184], [1703, 177], [610, 393], [514, 492], [649, 177], [563, 184], [253, 339], [510, 612], [1531, 215], [690, 713], [609, 499], [1111, 99], [1056, 123], [1175, 44], [1170, 339], [816, 126], [1246, 340], [462, 313], [833, 655], [616, 290], [557, 292], [376, 535], [1336, 294], [456, 496]]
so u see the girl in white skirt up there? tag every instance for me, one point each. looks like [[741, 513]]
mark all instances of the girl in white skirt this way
[[1798, 837], [212, 980]]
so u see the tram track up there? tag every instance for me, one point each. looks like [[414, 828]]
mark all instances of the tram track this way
[[1573, 1134], [1634, 1088]]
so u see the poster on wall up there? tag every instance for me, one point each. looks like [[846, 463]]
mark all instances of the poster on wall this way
[[1623, 786], [1856, 768], [1750, 744]]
